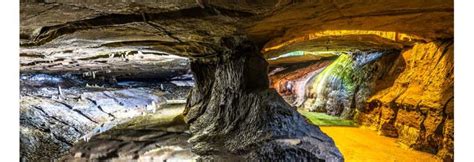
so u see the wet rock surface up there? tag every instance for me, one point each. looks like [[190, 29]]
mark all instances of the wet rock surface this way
[[58, 110], [158, 136], [408, 96], [344, 86]]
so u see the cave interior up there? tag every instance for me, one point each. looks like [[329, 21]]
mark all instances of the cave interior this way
[[263, 80]]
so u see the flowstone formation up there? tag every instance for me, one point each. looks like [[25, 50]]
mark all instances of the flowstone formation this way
[[344, 86], [233, 115]]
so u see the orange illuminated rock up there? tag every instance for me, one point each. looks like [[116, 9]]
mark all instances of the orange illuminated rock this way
[[418, 107], [396, 37], [291, 84]]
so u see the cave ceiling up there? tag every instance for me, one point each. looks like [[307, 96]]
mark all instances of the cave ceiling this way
[[65, 30]]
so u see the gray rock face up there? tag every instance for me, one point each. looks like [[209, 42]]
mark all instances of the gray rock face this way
[[160, 136], [51, 122], [233, 115]]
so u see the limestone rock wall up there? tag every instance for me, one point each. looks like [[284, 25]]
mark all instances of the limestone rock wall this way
[[417, 107]]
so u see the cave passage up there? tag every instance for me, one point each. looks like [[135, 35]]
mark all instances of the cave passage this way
[[341, 92], [267, 80]]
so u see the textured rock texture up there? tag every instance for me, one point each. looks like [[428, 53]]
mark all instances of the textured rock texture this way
[[52, 120], [193, 29], [159, 136], [106, 65], [347, 24], [418, 106], [233, 115], [345, 85]]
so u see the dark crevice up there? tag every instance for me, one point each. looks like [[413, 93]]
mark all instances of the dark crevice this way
[[113, 98], [48, 33], [100, 108], [159, 28], [41, 62], [439, 128], [77, 111], [396, 12], [59, 138]]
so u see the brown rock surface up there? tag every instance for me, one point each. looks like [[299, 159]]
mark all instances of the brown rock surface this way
[[291, 83]]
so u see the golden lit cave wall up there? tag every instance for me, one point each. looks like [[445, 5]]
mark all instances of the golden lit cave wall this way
[[393, 36], [418, 107]]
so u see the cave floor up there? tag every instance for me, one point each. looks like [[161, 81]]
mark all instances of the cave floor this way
[[362, 144], [159, 136]]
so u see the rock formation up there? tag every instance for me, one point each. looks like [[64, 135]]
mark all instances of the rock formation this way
[[291, 81], [50, 123], [418, 107], [231, 111], [344, 86], [233, 115]]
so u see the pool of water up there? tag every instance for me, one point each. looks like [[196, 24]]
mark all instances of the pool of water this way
[[362, 144]]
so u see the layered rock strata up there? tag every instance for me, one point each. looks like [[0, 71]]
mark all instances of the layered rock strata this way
[[58, 111]]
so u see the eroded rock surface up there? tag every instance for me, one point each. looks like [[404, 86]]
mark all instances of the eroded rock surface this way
[[158, 136], [419, 107], [57, 111]]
